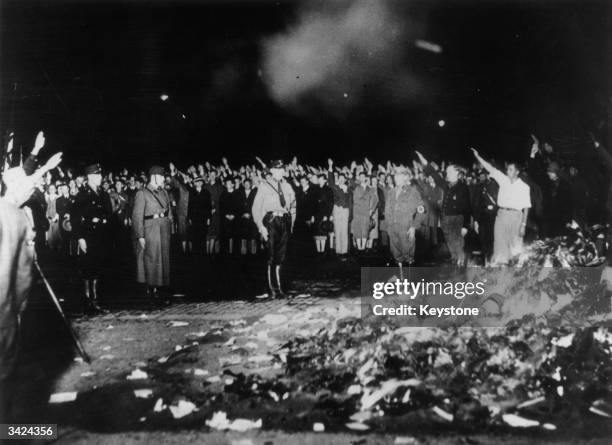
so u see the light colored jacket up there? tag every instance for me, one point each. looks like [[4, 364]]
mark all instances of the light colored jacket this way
[[405, 208]]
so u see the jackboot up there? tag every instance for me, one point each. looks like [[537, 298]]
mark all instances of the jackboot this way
[[270, 284], [154, 298], [281, 294], [95, 294], [88, 302]]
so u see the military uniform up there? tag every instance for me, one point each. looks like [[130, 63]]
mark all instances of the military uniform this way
[[455, 213], [485, 210], [432, 196], [91, 218], [152, 220], [274, 213], [404, 209]]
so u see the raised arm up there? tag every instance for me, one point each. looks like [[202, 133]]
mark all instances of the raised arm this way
[[331, 178], [430, 171], [493, 172]]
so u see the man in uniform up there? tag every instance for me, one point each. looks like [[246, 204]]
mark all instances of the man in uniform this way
[[91, 217], [456, 208], [485, 211], [404, 214], [274, 214], [152, 225]]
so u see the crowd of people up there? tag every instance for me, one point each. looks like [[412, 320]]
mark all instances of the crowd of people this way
[[482, 213], [406, 212]]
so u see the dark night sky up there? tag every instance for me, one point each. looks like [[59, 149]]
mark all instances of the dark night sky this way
[[91, 73]]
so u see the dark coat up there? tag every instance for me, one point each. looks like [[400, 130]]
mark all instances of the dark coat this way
[[153, 262], [199, 209], [456, 197], [182, 194], [91, 215], [247, 226], [432, 197], [38, 207], [231, 204], [63, 206], [485, 199], [215, 191], [306, 202], [557, 206], [324, 202], [341, 198]]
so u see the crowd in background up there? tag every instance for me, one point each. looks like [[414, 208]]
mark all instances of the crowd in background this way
[[340, 208]]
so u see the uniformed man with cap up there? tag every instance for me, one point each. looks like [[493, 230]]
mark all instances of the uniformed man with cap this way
[[91, 218], [152, 226], [404, 212], [274, 213]]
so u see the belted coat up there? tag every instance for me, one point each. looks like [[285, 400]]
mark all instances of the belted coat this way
[[152, 262]]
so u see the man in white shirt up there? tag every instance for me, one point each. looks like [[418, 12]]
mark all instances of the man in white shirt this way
[[514, 202], [274, 214]]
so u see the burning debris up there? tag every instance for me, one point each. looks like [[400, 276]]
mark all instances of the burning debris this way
[[579, 247]]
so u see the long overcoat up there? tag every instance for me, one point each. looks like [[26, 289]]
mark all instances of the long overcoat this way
[[152, 262], [365, 201]]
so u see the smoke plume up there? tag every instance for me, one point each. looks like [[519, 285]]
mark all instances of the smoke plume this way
[[337, 52]]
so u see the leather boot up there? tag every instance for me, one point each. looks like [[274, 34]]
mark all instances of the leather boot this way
[[89, 306], [270, 284], [281, 294], [95, 289], [154, 297], [87, 294]]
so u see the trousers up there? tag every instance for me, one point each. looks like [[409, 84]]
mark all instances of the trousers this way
[[278, 236], [486, 224], [402, 247], [507, 242], [451, 228]]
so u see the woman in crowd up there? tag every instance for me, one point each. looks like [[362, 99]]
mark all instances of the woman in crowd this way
[[323, 209], [53, 233], [341, 209]]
